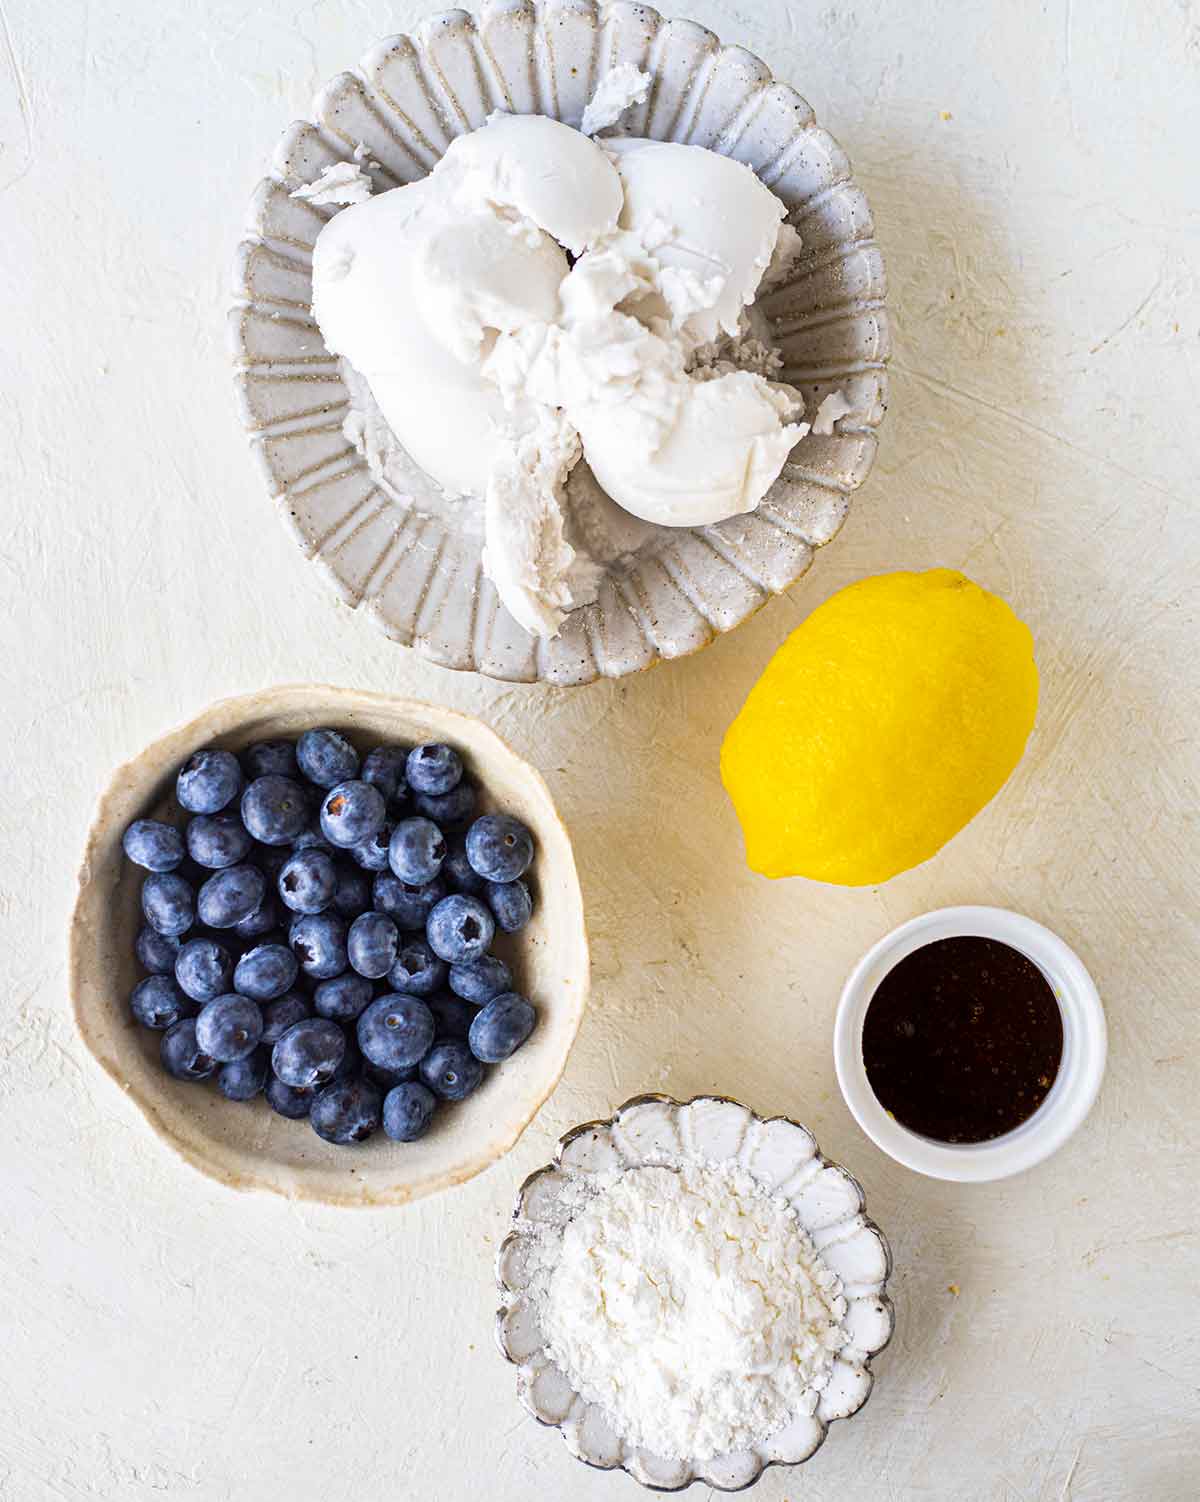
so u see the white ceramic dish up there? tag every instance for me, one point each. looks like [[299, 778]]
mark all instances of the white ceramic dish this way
[[782, 1155], [419, 577], [1085, 1047], [248, 1146]]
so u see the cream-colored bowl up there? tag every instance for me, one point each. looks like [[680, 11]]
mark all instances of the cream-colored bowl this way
[[249, 1146]]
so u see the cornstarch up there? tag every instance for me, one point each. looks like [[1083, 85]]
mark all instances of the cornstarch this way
[[689, 1303]]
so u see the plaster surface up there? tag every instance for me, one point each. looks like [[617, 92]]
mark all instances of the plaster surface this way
[[1032, 171]]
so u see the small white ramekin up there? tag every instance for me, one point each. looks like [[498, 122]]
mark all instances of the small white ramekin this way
[[1085, 1047]]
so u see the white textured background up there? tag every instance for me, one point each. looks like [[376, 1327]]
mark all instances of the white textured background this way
[[1032, 165]]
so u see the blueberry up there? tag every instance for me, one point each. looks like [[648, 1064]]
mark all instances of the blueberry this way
[[451, 1070], [281, 1014], [270, 759], [318, 941], [218, 840], [243, 1079], [452, 810], [308, 881], [417, 971], [208, 781], [266, 972], [407, 1111], [288, 1101], [230, 896], [387, 1078], [274, 809], [229, 1027], [353, 894], [416, 851], [501, 1027], [156, 952], [352, 1060], [481, 980], [203, 969], [408, 905], [511, 905], [153, 845], [346, 1112], [433, 768], [326, 757], [168, 903], [395, 1031], [351, 813], [371, 944], [262, 920], [159, 1003], [343, 997], [452, 1016], [372, 854], [384, 768], [460, 929], [313, 839], [181, 1054], [271, 860], [308, 1053], [460, 873], [499, 847]]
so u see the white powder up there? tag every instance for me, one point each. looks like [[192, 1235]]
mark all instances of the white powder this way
[[687, 1302]]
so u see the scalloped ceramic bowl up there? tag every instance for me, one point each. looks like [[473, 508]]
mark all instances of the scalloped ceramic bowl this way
[[781, 1155], [248, 1146], [419, 579]]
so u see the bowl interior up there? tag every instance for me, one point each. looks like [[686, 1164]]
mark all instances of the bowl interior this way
[[249, 1146]]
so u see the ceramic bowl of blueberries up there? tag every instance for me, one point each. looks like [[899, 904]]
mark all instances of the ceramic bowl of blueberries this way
[[331, 944]]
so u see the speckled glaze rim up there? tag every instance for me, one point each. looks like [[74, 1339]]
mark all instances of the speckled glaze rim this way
[[261, 1151], [420, 580], [708, 1471]]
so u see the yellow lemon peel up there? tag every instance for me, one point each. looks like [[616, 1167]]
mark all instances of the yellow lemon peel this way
[[883, 724]]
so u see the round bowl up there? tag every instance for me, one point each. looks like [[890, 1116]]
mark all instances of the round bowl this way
[[249, 1146], [418, 576], [1085, 1047], [783, 1156]]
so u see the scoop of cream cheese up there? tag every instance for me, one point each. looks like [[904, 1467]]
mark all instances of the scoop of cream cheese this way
[[711, 224], [497, 362], [540, 169], [671, 446], [411, 285], [364, 299]]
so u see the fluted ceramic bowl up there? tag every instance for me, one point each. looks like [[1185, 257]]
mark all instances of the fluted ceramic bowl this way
[[784, 1158], [418, 576], [246, 1145]]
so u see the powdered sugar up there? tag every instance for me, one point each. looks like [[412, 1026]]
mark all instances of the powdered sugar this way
[[688, 1302]]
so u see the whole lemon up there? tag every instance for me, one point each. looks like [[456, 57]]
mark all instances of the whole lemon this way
[[882, 725]]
